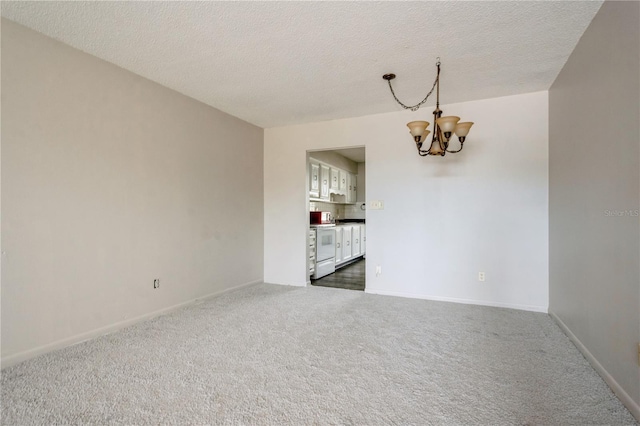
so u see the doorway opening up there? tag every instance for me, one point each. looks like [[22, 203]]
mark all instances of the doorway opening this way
[[336, 181]]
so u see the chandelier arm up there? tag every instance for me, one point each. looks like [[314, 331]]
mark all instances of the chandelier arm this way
[[453, 152], [421, 152]]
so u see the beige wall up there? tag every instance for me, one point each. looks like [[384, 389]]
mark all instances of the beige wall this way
[[444, 219], [109, 181], [594, 175]]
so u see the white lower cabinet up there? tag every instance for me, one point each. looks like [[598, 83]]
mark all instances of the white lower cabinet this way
[[338, 244], [350, 242], [363, 239], [355, 241], [346, 243]]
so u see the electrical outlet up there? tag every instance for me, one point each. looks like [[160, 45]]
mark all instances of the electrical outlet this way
[[481, 276], [378, 270], [156, 283]]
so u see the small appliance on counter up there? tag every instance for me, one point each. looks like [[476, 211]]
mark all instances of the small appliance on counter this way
[[321, 218]]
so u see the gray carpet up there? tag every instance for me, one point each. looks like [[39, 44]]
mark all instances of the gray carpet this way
[[281, 355]]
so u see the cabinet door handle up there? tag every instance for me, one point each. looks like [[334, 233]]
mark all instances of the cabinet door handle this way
[[338, 245], [356, 241], [348, 242], [315, 178], [324, 181]]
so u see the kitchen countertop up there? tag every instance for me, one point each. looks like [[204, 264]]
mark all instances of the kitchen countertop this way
[[348, 221]]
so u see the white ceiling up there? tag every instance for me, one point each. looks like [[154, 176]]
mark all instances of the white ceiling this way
[[281, 63]]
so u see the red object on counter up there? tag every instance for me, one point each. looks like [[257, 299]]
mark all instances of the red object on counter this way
[[318, 218]]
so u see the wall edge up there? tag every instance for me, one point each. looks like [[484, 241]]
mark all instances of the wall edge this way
[[622, 395], [14, 359], [531, 308]]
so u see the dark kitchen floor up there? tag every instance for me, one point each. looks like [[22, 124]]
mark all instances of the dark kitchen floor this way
[[350, 277]]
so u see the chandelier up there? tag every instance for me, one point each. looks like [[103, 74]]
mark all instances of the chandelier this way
[[444, 126]]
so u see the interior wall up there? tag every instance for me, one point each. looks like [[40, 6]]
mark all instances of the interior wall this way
[[594, 187], [109, 181], [444, 219]]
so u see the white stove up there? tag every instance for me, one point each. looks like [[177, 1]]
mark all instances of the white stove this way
[[325, 250]]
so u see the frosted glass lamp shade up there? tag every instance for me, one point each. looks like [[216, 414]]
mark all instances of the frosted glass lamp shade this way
[[417, 128], [448, 124], [462, 129], [436, 149], [424, 135]]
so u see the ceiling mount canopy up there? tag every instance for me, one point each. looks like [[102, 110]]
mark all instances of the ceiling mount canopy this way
[[444, 126]]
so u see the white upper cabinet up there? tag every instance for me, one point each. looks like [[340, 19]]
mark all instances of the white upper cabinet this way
[[314, 180], [351, 188], [343, 182], [335, 180], [324, 181]]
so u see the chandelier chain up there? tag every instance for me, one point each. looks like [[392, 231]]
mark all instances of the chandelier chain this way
[[419, 104]]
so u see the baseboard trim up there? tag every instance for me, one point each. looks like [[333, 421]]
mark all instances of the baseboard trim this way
[[19, 357], [305, 284], [531, 308], [624, 397]]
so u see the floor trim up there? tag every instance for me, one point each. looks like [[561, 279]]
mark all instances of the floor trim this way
[[624, 397], [531, 308], [19, 357]]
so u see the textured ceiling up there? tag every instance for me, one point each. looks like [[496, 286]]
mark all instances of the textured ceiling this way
[[280, 63]]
